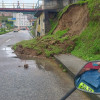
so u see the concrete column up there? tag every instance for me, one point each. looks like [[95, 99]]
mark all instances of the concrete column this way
[[70, 1], [60, 4], [47, 22], [51, 4]]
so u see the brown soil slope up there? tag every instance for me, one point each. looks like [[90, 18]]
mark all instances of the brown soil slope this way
[[75, 19]]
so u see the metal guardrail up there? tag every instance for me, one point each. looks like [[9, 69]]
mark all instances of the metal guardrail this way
[[15, 5], [41, 4]]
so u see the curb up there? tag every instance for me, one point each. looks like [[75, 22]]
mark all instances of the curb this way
[[73, 74], [31, 34]]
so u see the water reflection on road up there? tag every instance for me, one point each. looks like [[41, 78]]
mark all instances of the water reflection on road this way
[[43, 80]]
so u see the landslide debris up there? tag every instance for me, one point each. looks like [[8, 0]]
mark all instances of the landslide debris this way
[[72, 22], [75, 18]]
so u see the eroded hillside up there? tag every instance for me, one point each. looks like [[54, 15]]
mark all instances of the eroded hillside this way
[[75, 19], [76, 31]]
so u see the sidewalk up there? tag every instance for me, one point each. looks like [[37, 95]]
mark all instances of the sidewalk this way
[[73, 66]]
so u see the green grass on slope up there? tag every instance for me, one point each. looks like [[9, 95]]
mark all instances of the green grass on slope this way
[[88, 44], [47, 45], [54, 23], [3, 32]]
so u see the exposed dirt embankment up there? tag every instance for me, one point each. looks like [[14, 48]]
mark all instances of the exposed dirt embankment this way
[[75, 18]]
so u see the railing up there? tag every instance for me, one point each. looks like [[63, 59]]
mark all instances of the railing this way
[[49, 4], [16, 5], [54, 4]]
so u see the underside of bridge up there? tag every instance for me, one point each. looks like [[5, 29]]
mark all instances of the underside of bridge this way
[[49, 9], [54, 3], [17, 10]]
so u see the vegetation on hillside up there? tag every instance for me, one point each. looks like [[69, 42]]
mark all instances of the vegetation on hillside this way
[[3, 31], [32, 29], [8, 24], [49, 45], [86, 46]]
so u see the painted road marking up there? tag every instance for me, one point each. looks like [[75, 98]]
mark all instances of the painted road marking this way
[[8, 40]]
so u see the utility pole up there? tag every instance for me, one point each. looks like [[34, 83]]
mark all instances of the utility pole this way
[[13, 5], [18, 5], [33, 5], [38, 4], [23, 5], [2, 4]]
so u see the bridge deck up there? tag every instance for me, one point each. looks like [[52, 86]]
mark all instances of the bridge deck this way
[[19, 9]]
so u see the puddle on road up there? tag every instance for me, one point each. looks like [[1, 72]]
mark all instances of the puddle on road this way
[[41, 63], [9, 52], [46, 64], [31, 63]]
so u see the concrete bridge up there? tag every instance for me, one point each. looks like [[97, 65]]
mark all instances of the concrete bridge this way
[[33, 7], [19, 9], [50, 8], [56, 4], [43, 9]]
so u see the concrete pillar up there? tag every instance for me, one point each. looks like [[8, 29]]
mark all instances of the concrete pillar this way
[[60, 4], [47, 22], [70, 1], [52, 4]]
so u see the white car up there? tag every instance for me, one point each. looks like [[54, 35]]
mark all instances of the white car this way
[[15, 30]]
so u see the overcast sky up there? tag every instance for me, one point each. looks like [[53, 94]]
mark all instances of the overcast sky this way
[[21, 1]]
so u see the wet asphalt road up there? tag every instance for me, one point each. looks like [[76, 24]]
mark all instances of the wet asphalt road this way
[[43, 80]]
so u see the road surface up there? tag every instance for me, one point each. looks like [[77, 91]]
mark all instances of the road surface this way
[[43, 80]]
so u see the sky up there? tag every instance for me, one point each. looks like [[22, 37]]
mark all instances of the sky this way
[[21, 1]]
